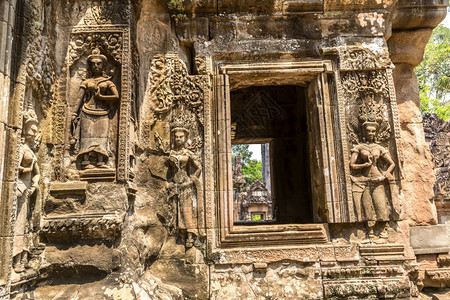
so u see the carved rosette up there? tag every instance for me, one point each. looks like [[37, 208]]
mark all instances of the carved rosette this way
[[365, 86]]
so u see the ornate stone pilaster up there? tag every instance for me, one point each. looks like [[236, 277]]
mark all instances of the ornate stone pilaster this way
[[366, 98]]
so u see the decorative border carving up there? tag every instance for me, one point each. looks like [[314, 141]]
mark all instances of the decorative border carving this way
[[363, 73], [364, 288], [84, 227]]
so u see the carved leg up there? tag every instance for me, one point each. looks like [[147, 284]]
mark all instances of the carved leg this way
[[367, 205], [85, 162], [100, 161], [384, 232], [379, 203], [370, 227], [17, 263], [24, 259], [357, 196]]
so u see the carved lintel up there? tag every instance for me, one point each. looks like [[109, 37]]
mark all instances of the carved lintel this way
[[77, 187], [96, 174], [82, 227], [437, 277], [361, 271], [367, 288], [383, 252]]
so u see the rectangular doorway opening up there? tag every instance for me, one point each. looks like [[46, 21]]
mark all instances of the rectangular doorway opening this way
[[269, 146]]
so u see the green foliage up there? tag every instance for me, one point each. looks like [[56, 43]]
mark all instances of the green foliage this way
[[256, 217], [252, 171], [243, 151], [433, 74], [251, 168]]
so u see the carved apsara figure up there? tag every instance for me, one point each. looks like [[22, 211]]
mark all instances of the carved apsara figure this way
[[27, 187], [372, 168], [185, 185], [96, 98]]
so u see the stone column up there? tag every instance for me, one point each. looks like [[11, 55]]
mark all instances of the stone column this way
[[411, 29], [265, 156], [9, 132]]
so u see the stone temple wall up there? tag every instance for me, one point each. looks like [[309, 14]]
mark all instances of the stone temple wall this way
[[116, 131]]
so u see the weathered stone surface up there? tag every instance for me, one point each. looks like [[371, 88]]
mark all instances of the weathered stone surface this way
[[127, 178], [103, 258], [430, 239], [281, 280]]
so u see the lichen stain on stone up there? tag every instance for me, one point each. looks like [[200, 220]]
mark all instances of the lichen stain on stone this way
[[364, 19]]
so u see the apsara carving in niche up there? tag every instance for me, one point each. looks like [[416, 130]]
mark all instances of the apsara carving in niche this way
[[92, 116], [371, 165], [27, 189], [185, 185], [175, 130]]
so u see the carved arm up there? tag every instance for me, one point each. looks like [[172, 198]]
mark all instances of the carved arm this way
[[109, 98], [355, 166]]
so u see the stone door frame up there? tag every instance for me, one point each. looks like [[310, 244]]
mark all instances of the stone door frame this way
[[225, 238]]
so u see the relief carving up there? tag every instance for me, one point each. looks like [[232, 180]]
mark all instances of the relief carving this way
[[186, 187], [91, 119], [96, 88], [371, 165], [364, 58], [27, 191], [107, 12], [358, 85], [173, 129]]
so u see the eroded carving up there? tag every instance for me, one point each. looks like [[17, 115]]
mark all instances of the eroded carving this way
[[364, 58], [358, 85], [371, 165], [27, 190], [186, 187], [173, 128], [107, 12]]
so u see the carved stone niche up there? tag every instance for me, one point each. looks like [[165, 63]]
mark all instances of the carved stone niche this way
[[370, 136], [309, 80], [94, 109], [173, 135]]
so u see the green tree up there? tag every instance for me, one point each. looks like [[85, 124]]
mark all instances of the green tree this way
[[252, 172], [251, 168], [433, 74], [243, 151]]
